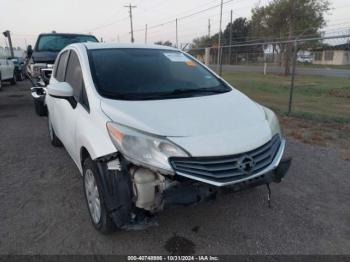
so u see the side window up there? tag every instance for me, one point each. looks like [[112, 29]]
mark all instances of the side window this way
[[61, 66], [84, 98], [74, 77]]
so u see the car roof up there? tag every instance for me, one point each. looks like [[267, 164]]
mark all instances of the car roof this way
[[91, 45]]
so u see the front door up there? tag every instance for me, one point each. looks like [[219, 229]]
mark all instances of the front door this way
[[65, 115]]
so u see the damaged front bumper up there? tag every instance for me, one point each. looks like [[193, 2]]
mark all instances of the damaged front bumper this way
[[188, 193], [196, 187], [133, 194]]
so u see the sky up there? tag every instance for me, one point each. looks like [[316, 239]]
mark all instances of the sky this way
[[109, 19]]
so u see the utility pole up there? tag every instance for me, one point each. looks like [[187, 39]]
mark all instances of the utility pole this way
[[295, 55], [208, 28], [146, 34], [219, 67], [289, 48], [130, 14], [229, 53], [8, 35], [177, 41]]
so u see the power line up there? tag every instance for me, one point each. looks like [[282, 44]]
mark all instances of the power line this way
[[285, 41], [183, 17], [106, 25], [172, 21]]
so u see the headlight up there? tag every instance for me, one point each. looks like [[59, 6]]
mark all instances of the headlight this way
[[145, 149], [273, 121], [35, 69]]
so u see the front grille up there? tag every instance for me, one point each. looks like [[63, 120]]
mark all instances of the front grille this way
[[228, 168]]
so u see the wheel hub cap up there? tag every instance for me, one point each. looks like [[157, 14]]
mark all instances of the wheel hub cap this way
[[92, 196]]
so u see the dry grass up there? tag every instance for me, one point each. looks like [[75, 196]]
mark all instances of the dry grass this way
[[302, 124], [347, 155], [317, 133], [296, 134], [318, 138]]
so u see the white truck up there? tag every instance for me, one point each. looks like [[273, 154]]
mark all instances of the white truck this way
[[7, 71]]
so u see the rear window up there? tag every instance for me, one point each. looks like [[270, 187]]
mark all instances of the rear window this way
[[143, 72], [56, 43]]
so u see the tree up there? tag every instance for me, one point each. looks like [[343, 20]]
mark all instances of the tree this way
[[240, 32], [166, 43], [240, 28], [288, 19]]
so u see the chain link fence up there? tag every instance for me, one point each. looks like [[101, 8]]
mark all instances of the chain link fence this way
[[309, 78]]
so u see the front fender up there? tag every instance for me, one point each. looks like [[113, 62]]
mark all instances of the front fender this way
[[92, 134]]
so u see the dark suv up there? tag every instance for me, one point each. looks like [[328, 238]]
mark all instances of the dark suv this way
[[40, 62]]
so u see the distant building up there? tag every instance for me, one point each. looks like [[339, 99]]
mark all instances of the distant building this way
[[332, 55]]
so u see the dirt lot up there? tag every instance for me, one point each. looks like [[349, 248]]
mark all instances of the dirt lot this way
[[42, 209]]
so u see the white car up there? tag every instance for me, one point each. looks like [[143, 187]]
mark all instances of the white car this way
[[305, 59], [7, 71], [149, 127]]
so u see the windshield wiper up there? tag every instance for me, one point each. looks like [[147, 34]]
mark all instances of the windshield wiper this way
[[175, 93], [214, 90]]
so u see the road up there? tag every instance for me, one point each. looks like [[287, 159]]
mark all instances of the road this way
[[43, 209], [280, 70]]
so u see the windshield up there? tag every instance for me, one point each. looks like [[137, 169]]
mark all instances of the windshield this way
[[139, 74], [56, 43]]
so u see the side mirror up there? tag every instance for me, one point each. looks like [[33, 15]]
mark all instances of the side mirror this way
[[62, 90], [29, 51]]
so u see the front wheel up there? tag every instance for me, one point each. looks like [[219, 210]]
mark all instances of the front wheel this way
[[20, 75], [40, 108], [99, 216]]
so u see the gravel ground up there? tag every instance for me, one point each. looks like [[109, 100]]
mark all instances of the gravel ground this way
[[43, 210]]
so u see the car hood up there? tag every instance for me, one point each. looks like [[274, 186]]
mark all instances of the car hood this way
[[223, 124]]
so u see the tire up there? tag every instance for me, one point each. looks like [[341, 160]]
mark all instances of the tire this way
[[99, 216], [13, 80], [53, 138], [19, 75], [40, 108]]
